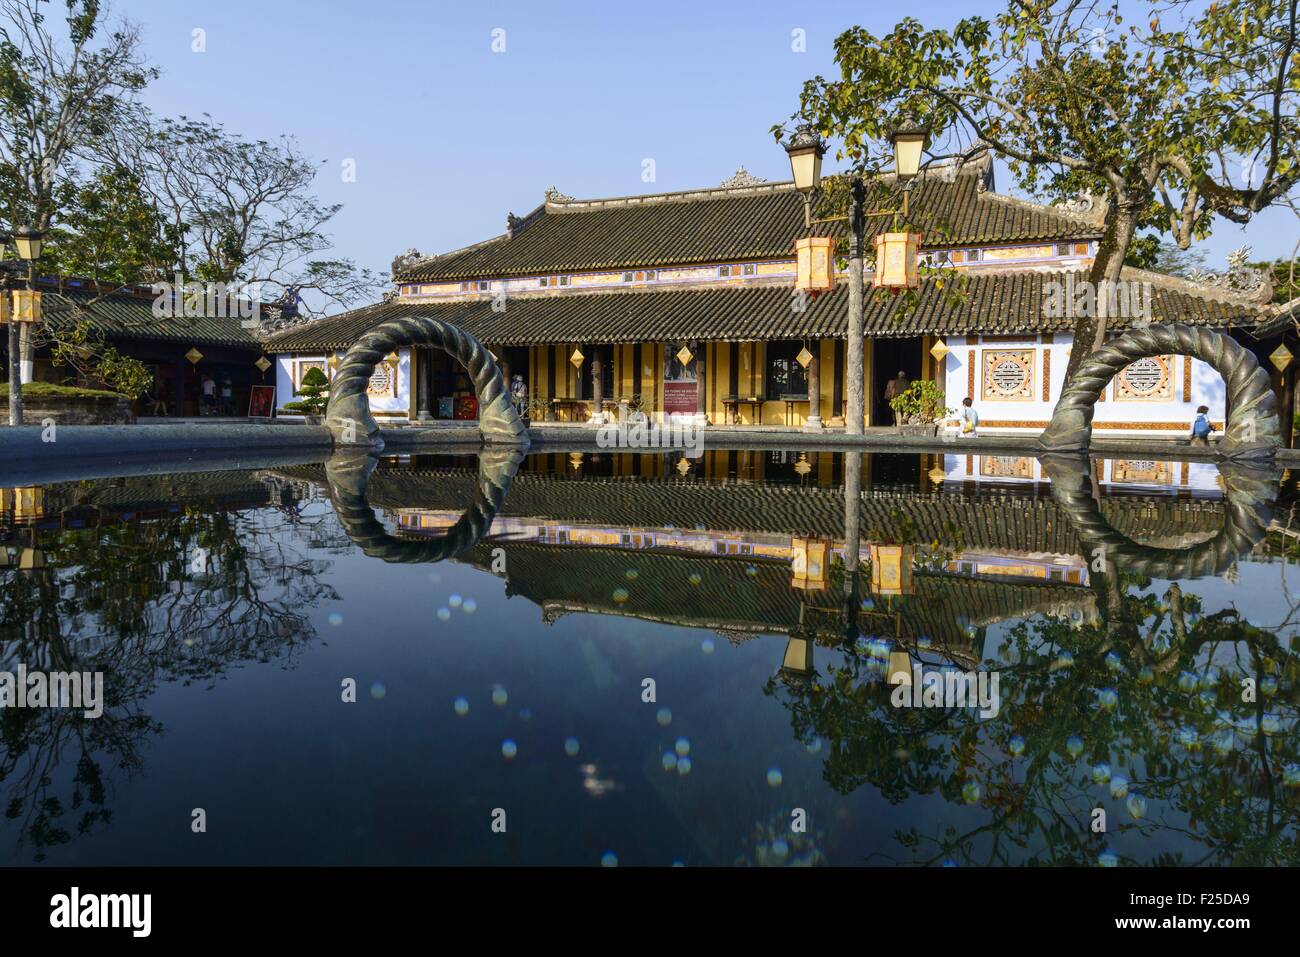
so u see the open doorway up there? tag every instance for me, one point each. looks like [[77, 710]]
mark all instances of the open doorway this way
[[890, 357]]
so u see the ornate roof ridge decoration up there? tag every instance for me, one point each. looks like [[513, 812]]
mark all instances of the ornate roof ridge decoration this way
[[1239, 278], [434, 257], [571, 205], [1089, 212], [553, 195], [741, 178], [1254, 299]]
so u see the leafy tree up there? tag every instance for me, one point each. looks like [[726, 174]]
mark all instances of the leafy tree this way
[[1174, 123]]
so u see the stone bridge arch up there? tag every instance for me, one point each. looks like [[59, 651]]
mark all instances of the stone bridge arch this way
[[1252, 430], [348, 414]]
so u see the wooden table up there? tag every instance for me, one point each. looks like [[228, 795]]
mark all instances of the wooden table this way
[[734, 402], [791, 400]]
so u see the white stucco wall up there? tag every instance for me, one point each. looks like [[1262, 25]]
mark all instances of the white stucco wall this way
[[1170, 417], [1118, 472], [399, 404]]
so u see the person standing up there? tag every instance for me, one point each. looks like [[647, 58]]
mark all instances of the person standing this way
[[894, 388], [209, 394], [970, 419], [227, 397]]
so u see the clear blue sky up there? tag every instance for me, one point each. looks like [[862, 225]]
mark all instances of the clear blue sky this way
[[448, 136]]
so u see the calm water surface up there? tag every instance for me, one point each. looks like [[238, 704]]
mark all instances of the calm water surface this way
[[503, 649]]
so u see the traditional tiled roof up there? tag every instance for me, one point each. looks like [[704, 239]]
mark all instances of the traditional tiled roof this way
[[730, 224], [973, 519], [128, 316], [993, 303]]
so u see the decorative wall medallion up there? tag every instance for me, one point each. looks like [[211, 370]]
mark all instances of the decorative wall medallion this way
[[1140, 471], [383, 382], [1147, 379], [1006, 466], [1008, 374]]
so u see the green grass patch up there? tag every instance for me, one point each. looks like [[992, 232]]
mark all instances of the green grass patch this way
[[38, 390]]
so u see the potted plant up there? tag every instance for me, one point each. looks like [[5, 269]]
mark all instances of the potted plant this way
[[313, 391], [920, 408]]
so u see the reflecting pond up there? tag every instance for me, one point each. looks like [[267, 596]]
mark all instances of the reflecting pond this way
[[598, 658]]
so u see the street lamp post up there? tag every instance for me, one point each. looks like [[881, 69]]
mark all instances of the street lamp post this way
[[806, 150], [27, 242]]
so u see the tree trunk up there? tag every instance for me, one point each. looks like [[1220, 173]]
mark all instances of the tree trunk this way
[[1090, 330]]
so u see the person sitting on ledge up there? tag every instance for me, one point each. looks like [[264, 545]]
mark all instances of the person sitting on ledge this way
[[1201, 427], [970, 419]]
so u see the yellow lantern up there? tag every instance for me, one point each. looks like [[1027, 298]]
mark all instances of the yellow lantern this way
[[31, 559], [815, 264], [808, 565], [6, 309], [798, 656], [27, 305], [26, 502], [891, 569], [900, 668], [896, 260]]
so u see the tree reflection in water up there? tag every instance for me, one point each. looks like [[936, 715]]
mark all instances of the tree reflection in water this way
[[1180, 724], [180, 597]]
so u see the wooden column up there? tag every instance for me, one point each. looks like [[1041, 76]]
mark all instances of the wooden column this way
[[597, 394], [701, 399]]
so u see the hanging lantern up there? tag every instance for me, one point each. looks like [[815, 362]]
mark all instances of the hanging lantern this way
[[815, 264], [194, 356], [891, 569], [798, 657], [939, 350], [577, 357], [1281, 357], [900, 668], [684, 355], [27, 305], [262, 364], [804, 357], [896, 259], [808, 563], [6, 309]]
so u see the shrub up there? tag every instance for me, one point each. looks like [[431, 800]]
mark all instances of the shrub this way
[[921, 403], [314, 394]]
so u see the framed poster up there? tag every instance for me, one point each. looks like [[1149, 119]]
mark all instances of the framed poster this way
[[261, 402]]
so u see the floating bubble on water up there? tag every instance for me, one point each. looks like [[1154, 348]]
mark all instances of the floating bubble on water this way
[[684, 766], [509, 749], [1187, 681], [1016, 745], [571, 746], [1118, 786], [682, 747], [1107, 699], [970, 792], [499, 696], [780, 849], [444, 613], [694, 578], [664, 716], [814, 746], [631, 574], [1108, 858], [1113, 661], [669, 760], [1100, 773], [1065, 658], [707, 646], [609, 859], [455, 600], [1291, 775], [335, 619], [1137, 806], [1146, 675], [620, 595], [1268, 686], [1074, 745], [774, 777], [460, 706], [378, 691], [470, 606]]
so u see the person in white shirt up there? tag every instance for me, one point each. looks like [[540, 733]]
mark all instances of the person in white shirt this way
[[970, 419]]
